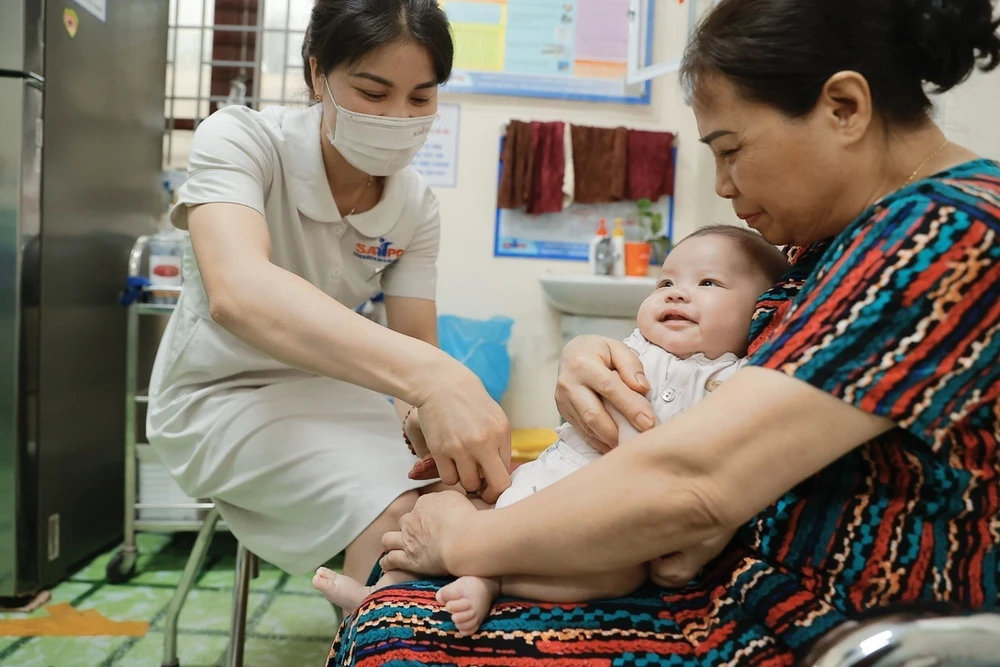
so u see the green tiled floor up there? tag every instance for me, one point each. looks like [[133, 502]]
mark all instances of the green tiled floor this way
[[288, 624]]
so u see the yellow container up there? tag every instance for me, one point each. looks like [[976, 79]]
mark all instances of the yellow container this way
[[528, 443]]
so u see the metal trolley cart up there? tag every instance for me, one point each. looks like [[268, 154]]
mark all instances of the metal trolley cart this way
[[200, 516], [122, 566]]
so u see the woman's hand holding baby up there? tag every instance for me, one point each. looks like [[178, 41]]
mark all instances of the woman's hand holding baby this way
[[427, 535], [593, 367], [679, 568]]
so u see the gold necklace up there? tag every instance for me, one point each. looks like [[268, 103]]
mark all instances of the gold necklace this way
[[360, 196], [924, 163]]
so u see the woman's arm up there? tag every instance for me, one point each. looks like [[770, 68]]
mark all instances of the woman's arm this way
[[416, 318], [694, 477], [293, 321]]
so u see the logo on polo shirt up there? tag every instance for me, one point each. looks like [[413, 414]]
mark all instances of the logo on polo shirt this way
[[383, 252]]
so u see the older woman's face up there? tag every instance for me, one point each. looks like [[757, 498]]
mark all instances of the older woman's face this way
[[781, 174]]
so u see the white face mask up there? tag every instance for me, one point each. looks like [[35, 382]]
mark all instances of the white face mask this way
[[377, 145]]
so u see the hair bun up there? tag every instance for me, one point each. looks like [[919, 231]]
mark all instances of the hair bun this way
[[947, 38]]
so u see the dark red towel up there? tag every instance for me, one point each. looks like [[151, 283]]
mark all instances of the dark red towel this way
[[599, 163], [650, 165], [517, 175], [549, 167]]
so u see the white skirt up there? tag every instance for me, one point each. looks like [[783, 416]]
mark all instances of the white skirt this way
[[298, 469]]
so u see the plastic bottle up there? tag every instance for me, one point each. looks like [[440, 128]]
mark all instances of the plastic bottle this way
[[618, 247], [599, 250], [166, 252]]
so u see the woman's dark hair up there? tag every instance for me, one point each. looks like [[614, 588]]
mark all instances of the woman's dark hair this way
[[782, 52], [342, 32]]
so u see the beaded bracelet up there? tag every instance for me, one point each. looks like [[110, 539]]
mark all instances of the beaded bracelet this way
[[406, 438]]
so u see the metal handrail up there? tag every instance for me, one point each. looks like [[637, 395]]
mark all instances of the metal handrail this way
[[971, 640]]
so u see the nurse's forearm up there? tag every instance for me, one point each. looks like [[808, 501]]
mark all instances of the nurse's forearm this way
[[293, 321], [416, 318]]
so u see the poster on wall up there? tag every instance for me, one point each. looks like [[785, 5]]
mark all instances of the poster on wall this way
[[567, 234], [437, 161], [563, 49]]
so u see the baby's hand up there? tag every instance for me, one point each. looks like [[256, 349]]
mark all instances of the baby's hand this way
[[679, 568]]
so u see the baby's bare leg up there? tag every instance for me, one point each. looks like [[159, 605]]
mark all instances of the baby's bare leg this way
[[468, 599], [576, 589], [348, 593]]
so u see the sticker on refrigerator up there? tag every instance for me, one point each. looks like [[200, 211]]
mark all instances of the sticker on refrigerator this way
[[71, 21], [98, 8]]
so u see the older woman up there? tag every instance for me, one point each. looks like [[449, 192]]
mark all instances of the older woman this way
[[858, 453]]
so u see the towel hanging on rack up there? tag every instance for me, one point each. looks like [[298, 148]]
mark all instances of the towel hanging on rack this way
[[516, 177], [599, 163], [650, 165], [549, 168]]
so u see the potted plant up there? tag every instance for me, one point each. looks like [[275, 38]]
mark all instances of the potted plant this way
[[651, 223]]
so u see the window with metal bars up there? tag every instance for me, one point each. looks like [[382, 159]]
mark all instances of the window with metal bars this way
[[223, 52]]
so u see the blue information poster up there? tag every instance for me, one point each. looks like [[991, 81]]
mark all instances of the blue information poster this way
[[566, 49]]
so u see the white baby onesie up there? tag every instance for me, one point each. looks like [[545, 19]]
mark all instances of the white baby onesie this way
[[676, 385]]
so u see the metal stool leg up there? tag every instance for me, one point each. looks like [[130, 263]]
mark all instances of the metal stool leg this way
[[246, 569], [194, 564]]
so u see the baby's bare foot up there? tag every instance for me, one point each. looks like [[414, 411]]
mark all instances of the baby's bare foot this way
[[468, 600], [340, 589]]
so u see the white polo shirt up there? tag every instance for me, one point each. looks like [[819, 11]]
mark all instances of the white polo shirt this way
[[204, 376], [271, 161]]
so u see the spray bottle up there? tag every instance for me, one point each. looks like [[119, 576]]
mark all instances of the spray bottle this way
[[600, 251]]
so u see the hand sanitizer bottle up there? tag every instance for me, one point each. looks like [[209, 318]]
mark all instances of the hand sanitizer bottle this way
[[618, 247]]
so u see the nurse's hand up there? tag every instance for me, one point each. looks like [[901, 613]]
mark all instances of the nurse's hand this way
[[467, 433], [427, 535], [592, 367]]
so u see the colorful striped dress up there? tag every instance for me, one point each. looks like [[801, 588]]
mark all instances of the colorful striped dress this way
[[899, 315]]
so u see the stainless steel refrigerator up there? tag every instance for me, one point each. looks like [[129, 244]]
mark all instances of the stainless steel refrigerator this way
[[81, 127]]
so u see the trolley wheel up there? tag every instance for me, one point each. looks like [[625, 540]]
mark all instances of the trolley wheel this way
[[121, 567]]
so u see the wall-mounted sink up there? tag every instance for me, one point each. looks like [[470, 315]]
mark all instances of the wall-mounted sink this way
[[596, 296]]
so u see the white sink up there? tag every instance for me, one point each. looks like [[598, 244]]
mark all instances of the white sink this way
[[596, 296]]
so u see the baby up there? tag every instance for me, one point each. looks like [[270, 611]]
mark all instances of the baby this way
[[692, 332]]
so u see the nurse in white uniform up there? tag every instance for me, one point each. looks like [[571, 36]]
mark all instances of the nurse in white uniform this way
[[269, 391]]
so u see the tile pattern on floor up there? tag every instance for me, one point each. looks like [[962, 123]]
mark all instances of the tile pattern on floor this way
[[288, 624]]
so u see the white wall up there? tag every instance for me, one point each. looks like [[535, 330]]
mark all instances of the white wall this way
[[473, 283], [968, 114]]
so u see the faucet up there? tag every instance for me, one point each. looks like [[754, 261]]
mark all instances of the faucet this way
[[904, 641]]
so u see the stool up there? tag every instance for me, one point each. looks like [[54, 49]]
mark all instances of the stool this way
[[246, 569]]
